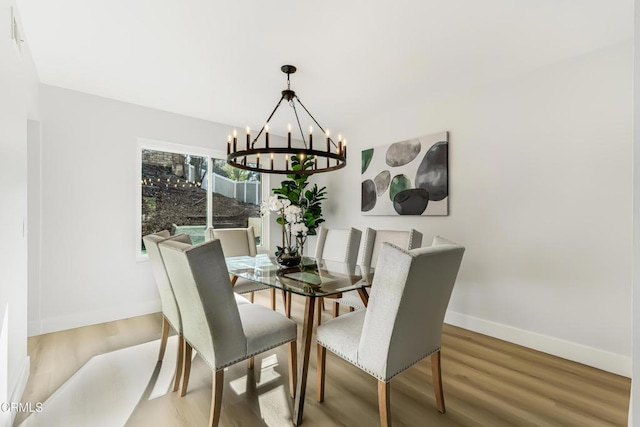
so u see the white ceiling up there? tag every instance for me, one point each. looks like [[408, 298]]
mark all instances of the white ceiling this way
[[221, 60]]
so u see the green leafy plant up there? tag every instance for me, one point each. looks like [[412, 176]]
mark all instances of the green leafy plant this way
[[299, 208], [309, 200]]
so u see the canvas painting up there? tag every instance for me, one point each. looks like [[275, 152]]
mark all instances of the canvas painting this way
[[407, 177]]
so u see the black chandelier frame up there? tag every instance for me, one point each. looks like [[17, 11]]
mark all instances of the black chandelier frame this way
[[333, 158]]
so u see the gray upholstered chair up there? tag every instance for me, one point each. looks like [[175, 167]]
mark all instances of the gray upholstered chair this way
[[240, 242], [223, 333], [403, 321], [338, 245], [170, 312], [373, 240]]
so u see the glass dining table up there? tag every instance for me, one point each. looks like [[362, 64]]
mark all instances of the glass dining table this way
[[312, 279]]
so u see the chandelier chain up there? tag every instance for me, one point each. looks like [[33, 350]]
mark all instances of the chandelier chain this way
[[267, 122], [316, 122], [293, 104]]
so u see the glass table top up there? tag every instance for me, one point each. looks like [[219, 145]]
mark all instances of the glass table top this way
[[310, 278]]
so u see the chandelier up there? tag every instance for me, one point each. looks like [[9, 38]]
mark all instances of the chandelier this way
[[326, 156]]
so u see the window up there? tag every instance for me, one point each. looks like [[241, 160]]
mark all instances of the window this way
[[175, 193], [237, 194]]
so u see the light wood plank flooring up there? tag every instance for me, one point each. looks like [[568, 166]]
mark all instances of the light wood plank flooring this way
[[487, 382]]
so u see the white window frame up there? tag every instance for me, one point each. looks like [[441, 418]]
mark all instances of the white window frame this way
[[209, 154]]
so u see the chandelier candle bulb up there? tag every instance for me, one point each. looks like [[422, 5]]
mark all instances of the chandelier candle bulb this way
[[286, 161], [248, 136], [235, 140], [289, 137], [310, 137], [258, 160], [271, 161], [266, 135], [228, 144]]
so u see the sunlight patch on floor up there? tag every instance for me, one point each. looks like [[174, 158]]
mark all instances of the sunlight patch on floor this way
[[267, 373], [106, 390]]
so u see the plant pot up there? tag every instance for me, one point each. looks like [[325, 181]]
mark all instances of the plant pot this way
[[288, 260]]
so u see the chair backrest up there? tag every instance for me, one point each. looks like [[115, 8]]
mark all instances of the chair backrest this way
[[235, 241], [210, 318], [340, 245], [409, 298], [167, 296], [373, 240]]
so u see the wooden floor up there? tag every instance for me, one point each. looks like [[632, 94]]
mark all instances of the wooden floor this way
[[487, 382]]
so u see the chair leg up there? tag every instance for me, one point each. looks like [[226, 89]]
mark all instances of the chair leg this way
[[284, 300], [165, 337], [251, 362], [186, 369], [288, 309], [336, 309], [321, 365], [216, 398], [179, 362], [384, 403], [251, 297], [320, 302], [436, 372], [293, 368], [273, 299]]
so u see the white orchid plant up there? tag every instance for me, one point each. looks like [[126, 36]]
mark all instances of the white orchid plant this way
[[294, 229]]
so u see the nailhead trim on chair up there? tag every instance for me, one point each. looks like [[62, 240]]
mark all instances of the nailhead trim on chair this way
[[242, 358], [354, 363], [412, 363], [254, 354]]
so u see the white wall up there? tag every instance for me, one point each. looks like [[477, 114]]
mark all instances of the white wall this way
[[34, 218], [89, 271], [540, 184], [18, 92]]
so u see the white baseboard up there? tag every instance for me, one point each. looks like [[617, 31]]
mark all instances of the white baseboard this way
[[77, 320], [590, 356], [21, 385]]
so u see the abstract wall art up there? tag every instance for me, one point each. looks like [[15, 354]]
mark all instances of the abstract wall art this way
[[407, 177]]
